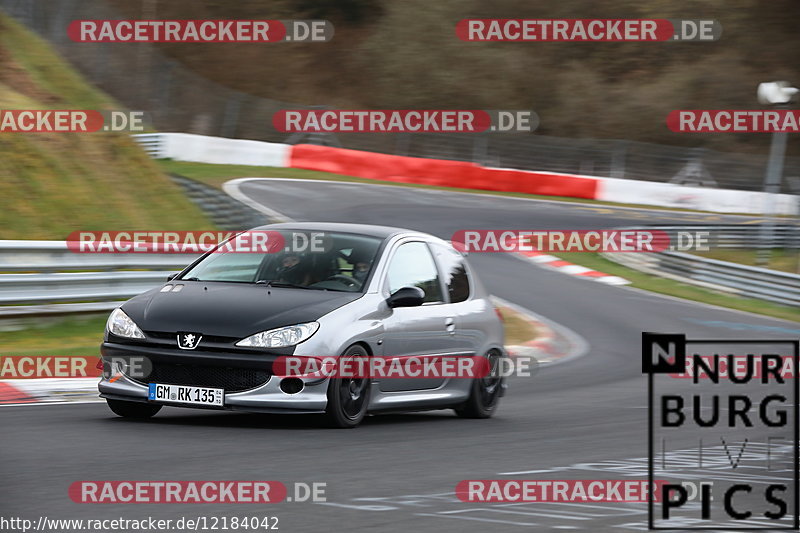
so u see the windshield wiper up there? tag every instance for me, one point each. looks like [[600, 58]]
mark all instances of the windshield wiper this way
[[276, 283]]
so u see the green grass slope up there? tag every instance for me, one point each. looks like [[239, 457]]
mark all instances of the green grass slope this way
[[53, 184]]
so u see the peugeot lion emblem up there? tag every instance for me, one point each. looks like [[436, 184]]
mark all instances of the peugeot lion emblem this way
[[188, 341]]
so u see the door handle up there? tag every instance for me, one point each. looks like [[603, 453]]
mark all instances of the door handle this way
[[450, 326]]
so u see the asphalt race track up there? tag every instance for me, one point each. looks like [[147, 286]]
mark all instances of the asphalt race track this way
[[583, 419]]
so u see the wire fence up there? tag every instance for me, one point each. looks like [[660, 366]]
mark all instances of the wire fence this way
[[178, 99]]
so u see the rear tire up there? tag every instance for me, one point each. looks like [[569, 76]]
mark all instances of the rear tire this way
[[485, 392], [348, 398], [133, 409]]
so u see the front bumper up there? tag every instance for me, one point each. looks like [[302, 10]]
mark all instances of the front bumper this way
[[265, 398]]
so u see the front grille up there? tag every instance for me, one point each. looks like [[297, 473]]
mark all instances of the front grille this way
[[215, 377]]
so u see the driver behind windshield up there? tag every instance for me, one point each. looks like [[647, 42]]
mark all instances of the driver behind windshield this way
[[361, 262], [293, 270]]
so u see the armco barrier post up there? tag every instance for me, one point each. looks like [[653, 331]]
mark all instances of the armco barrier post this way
[[772, 184]]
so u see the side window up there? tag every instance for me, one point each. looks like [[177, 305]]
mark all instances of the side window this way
[[454, 270], [412, 266]]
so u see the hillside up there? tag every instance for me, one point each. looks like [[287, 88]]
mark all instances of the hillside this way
[[53, 184], [406, 54]]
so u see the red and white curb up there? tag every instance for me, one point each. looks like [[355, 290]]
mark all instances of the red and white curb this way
[[553, 344], [565, 267], [48, 391]]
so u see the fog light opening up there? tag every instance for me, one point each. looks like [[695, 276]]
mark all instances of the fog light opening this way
[[291, 385]]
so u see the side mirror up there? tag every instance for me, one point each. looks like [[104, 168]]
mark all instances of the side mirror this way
[[406, 297], [172, 276]]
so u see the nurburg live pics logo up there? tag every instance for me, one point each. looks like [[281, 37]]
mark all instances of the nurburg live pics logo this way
[[730, 433]]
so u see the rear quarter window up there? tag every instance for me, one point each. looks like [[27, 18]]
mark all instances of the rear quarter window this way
[[454, 272]]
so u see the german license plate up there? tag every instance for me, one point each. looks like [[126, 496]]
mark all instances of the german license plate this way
[[186, 394]]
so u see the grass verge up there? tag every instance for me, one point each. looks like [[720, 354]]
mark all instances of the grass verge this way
[[70, 336], [518, 329]]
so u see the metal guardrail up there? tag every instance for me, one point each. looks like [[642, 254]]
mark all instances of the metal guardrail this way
[[152, 144], [734, 278], [46, 277], [739, 235], [55, 256], [742, 280]]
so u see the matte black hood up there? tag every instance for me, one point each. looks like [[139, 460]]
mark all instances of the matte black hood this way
[[231, 309]]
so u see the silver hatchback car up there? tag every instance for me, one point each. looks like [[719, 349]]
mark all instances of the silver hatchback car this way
[[215, 334]]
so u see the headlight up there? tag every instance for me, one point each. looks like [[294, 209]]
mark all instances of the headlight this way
[[281, 337], [121, 325]]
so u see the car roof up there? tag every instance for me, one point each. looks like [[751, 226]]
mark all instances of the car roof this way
[[382, 232]]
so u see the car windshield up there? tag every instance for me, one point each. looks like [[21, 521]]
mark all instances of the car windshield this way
[[307, 260]]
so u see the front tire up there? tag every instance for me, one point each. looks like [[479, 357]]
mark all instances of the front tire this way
[[348, 398], [485, 392], [133, 409]]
